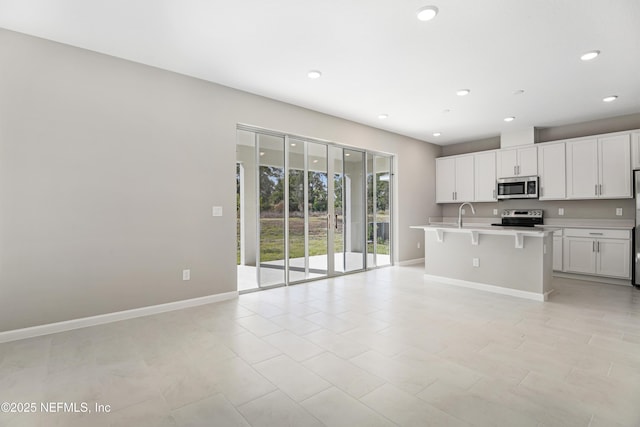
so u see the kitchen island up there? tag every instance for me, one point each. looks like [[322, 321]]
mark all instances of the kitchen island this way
[[514, 261]]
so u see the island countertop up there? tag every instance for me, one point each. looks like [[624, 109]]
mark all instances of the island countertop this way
[[487, 229]]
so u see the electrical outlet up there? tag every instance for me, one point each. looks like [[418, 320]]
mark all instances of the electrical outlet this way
[[216, 211], [418, 245], [495, 211], [476, 262], [186, 274], [619, 211], [463, 211], [561, 211]]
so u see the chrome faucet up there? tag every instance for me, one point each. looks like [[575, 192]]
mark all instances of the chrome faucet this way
[[460, 212]]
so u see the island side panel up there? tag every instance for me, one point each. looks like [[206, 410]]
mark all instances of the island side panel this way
[[501, 264]]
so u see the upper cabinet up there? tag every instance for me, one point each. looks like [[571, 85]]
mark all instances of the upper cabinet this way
[[517, 162], [599, 167], [635, 150], [552, 171], [485, 176], [454, 179]]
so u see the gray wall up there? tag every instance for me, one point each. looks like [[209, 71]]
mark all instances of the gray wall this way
[[471, 146], [109, 170]]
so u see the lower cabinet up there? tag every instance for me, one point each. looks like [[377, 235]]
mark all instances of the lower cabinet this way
[[557, 253], [599, 252]]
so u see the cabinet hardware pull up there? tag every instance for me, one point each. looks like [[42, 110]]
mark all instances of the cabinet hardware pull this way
[[593, 246], [596, 234], [600, 189], [597, 246], [494, 193], [514, 171], [596, 190]]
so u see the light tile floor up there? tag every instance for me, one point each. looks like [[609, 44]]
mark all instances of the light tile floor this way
[[379, 348]]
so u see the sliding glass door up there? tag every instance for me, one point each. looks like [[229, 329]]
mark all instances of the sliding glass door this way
[[303, 209]]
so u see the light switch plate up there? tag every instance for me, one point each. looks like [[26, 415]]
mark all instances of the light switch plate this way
[[217, 211], [495, 211], [619, 211], [476, 262], [561, 211], [186, 274]]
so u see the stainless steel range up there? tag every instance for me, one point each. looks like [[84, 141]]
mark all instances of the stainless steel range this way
[[521, 218]]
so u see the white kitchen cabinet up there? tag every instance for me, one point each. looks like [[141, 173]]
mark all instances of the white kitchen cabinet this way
[[635, 150], [598, 252], [599, 167], [615, 169], [579, 255], [484, 168], [454, 179], [517, 162], [613, 257], [557, 250], [552, 171]]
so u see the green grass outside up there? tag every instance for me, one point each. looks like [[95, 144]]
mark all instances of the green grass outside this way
[[272, 238]]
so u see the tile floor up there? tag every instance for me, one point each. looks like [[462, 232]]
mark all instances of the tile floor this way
[[381, 348]]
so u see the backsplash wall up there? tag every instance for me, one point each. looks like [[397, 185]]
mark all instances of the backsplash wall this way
[[573, 209]]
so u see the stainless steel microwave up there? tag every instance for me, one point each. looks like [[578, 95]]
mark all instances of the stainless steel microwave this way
[[522, 187]]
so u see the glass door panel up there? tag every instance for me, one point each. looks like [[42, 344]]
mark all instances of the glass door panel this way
[[271, 204], [354, 210], [371, 229], [336, 235], [317, 210], [246, 198], [383, 176], [298, 265]]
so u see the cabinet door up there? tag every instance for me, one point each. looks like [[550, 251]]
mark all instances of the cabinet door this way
[[615, 166], [445, 180], [507, 162], [579, 255], [613, 258], [552, 170], [484, 169], [557, 253], [582, 169], [635, 150], [527, 161], [464, 179]]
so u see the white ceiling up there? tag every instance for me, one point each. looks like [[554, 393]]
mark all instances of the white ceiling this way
[[375, 56]]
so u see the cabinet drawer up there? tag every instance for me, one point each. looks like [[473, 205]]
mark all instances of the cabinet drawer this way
[[597, 233]]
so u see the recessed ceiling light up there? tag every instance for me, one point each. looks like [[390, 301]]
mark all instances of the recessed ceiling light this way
[[262, 153], [427, 13], [383, 116], [509, 119], [315, 161], [518, 92], [610, 98], [347, 154], [446, 110], [437, 134], [314, 74], [590, 55], [463, 92], [293, 144]]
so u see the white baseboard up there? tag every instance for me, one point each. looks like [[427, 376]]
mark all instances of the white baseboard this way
[[490, 288], [411, 262], [68, 325]]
